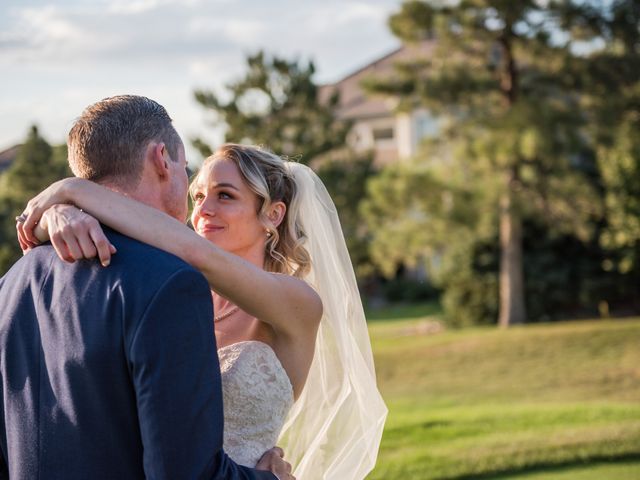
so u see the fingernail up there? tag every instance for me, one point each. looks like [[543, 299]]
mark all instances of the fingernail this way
[[106, 263]]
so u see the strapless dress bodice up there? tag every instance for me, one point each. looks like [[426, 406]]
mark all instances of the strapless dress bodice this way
[[257, 396]]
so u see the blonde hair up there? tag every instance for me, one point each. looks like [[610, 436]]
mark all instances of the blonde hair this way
[[267, 176]]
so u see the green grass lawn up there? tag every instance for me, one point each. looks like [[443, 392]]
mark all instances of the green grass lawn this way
[[542, 401], [403, 311]]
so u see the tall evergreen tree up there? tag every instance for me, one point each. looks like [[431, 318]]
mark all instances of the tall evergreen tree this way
[[36, 166], [502, 80], [611, 82]]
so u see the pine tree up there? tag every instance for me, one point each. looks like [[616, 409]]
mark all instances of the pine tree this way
[[36, 166], [504, 80], [612, 90]]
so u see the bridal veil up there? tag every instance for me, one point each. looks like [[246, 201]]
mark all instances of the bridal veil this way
[[334, 429]]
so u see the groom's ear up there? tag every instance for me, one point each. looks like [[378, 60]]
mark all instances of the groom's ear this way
[[158, 156]]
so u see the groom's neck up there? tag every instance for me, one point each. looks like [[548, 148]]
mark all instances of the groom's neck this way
[[143, 193]]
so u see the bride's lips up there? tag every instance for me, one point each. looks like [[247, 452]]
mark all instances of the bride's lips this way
[[210, 228]]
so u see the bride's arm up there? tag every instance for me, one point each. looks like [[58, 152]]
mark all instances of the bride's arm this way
[[274, 298]]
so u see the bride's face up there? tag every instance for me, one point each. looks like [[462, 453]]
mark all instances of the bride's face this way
[[226, 211]]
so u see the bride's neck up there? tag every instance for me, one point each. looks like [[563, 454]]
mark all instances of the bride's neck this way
[[221, 304]]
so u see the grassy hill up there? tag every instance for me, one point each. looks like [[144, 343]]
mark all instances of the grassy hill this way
[[542, 401]]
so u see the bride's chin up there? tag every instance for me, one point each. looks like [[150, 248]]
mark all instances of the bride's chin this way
[[212, 239]]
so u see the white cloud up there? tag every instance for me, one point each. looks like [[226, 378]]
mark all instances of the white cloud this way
[[133, 7], [49, 25], [335, 16], [349, 17], [48, 34], [215, 70], [136, 7], [240, 31]]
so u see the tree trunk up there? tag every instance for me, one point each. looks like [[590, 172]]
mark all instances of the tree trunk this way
[[512, 306]]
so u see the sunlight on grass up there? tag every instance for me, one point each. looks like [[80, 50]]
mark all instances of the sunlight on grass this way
[[485, 403], [404, 311], [603, 471]]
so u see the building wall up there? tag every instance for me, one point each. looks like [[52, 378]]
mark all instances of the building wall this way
[[377, 125], [393, 137]]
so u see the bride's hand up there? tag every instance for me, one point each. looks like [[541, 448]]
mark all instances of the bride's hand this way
[[74, 234], [273, 461], [56, 193]]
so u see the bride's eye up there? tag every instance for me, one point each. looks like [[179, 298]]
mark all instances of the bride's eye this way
[[198, 196], [224, 195]]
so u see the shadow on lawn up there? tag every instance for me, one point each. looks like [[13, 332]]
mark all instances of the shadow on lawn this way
[[547, 467]]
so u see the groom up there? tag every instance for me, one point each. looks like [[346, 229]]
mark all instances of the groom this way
[[112, 373]]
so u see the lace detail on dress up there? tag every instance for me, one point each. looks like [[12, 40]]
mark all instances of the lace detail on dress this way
[[257, 396]]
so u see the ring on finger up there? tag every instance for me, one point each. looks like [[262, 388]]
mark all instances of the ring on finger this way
[[21, 218]]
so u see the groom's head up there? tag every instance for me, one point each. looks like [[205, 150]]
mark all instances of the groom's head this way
[[129, 144]]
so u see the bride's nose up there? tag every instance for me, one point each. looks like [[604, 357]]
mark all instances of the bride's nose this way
[[206, 208]]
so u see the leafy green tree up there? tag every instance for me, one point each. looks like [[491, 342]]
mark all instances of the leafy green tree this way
[[611, 83], [620, 167], [502, 79], [345, 174], [36, 166], [418, 215], [276, 105]]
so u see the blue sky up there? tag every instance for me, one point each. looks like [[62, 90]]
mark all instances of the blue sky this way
[[57, 57]]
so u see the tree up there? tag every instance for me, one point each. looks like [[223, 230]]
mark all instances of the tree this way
[[502, 80], [611, 83], [620, 167], [345, 174], [36, 166], [276, 104]]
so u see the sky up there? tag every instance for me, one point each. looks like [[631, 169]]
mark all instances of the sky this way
[[58, 57]]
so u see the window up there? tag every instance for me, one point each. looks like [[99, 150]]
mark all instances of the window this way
[[383, 133], [426, 126]]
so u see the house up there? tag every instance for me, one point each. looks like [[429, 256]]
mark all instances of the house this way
[[377, 126], [8, 156]]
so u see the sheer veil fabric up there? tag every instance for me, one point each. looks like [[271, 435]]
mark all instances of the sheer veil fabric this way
[[334, 429]]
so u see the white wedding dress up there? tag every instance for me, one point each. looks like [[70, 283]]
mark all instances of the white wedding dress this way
[[257, 396]]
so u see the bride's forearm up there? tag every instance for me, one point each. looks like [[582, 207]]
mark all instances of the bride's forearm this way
[[271, 297], [245, 284], [135, 219]]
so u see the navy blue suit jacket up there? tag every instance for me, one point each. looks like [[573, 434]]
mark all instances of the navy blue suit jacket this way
[[110, 373]]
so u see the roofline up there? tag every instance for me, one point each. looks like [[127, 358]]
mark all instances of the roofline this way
[[361, 69], [370, 116], [4, 150]]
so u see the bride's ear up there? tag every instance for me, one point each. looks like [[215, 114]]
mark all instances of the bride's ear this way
[[276, 213]]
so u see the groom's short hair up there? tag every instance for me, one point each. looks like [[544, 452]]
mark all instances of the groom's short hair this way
[[108, 142]]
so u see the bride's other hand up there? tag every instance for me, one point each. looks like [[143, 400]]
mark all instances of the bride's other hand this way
[[74, 234], [54, 194], [25, 245], [273, 461]]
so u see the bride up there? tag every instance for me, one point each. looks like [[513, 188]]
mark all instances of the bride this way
[[295, 356]]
